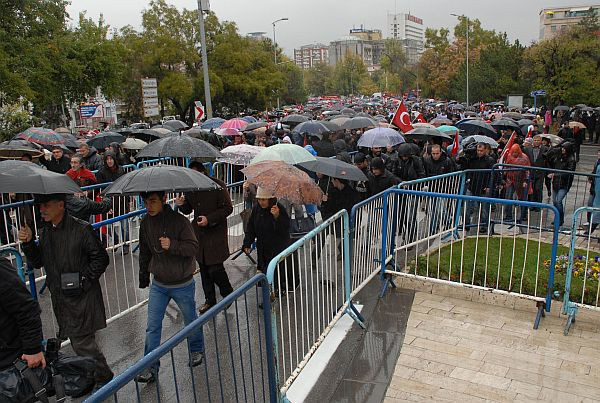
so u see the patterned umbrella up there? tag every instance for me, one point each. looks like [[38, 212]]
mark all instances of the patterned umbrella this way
[[249, 119], [41, 135], [212, 123], [240, 154], [238, 124], [285, 181]]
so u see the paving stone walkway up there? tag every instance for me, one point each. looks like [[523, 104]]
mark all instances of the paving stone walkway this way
[[459, 350]]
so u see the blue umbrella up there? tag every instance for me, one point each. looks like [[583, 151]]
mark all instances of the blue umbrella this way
[[380, 137], [212, 123], [476, 126], [249, 119], [311, 127]]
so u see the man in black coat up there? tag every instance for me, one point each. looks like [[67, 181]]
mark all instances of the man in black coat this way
[[438, 162], [68, 246], [20, 324], [380, 178], [58, 163]]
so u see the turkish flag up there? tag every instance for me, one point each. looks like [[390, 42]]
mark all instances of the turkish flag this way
[[455, 145], [510, 143], [530, 131], [421, 119], [402, 118]]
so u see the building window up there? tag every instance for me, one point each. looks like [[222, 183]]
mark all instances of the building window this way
[[553, 28], [563, 27]]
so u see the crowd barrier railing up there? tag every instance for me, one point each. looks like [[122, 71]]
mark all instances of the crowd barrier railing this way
[[310, 286], [500, 257], [582, 266], [228, 173], [238, 361], [25, 273], [540, 187]]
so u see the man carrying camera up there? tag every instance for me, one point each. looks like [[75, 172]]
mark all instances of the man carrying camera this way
[[74, 260]]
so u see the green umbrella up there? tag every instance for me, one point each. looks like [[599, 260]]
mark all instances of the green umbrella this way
[[448, 129], [290, 153]]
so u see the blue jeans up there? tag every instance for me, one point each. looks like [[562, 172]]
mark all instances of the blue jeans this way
[[557, 200], [473, 209], [158, 300]]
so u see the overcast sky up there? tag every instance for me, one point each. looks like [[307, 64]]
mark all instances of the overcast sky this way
[[323, 21]]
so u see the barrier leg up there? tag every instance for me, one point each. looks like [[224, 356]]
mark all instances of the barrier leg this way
[[355, 315], [32, 286], [540, 314], [387, 281]]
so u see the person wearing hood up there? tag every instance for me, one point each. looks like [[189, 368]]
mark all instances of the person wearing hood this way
[[380, 178], [323, 145], [58, 163], [362, 187], [516, 182], [409, 166], [111, 168], [119, 155], [562, 182]]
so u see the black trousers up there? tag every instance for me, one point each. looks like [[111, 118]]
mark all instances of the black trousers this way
[[86, 346], [211, 275]]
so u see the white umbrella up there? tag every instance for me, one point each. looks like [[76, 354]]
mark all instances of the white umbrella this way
[[133, 144]]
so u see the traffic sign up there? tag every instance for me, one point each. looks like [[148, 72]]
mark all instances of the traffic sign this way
[[151, 111], [150, 102], [538, 93], [149, 92], [149, 83], [199, 111]]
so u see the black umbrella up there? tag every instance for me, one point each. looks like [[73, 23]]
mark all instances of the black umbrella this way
[[562, 108], [364, 115], [169, 128], [422, 133], [254, 126], [161, 178], [312, 127], [149, 135], [70, 141], [27, 177], [14, 149], [294, 118], [335, 168], [331, 125], [525, 122], [476, 126], [175, 124], [103, 140], [348, 112], [359, 123], [179, 145], [512, 115], [505, 124]]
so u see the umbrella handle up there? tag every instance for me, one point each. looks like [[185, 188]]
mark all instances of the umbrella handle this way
[[328, 181]]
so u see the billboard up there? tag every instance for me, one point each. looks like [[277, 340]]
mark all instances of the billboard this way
[[91, 111]]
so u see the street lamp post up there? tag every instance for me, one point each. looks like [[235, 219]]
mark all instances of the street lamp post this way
[[209, 111], [467, 18], [275, 48]]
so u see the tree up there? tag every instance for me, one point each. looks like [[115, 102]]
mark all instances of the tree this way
[[294, 90], [349, 74], [319, 79]]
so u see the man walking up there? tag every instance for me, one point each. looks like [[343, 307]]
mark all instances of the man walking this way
[[537, 157], [167, 250], [211, 210], [74, 260]]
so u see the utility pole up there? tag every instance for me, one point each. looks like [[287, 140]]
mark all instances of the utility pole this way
[[275, 49], [201, 9], [467, 19]]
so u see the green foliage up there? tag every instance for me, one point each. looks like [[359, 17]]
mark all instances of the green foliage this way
[[13, 119], [319, 79], [349, 75], [294, 91]]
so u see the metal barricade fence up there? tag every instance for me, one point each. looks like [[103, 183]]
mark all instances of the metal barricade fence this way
[[541, 187], [581, 269], [228, 173], [517, 259], [235, 225], [310, 285], [238, 363]]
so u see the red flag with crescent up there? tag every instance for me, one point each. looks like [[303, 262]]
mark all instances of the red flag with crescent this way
[[420, 118], [455, 145], [402, 118]]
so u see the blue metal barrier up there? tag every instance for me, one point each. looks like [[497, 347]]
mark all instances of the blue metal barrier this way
[[388, 256], [22, 269], [245, 382]]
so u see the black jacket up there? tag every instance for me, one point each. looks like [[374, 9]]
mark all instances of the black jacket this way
[[339, 200], [564, 180], [72, 246], [92, 161], [478, 181], [378, 184], [272, 235], [410, 169], [324, 148], [105, 174], [173, 266], [20, 323], [83, 207], [443, 165], [60, 166]]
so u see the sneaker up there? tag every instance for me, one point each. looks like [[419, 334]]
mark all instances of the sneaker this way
[[148, 376], [205, 308], [197, 358]]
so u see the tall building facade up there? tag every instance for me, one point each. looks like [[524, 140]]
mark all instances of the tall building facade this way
[[410, 31], [365, 43], [557, 19], [309, 55]]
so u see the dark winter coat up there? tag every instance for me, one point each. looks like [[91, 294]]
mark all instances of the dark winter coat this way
[[92, 161], [61, 165], [564, 163], [272, 235], [175, 265], [410, 169], [478, 181], [443, 165], [72, 246], [216, 206], [20, 323], [324, 148], [378, 184], [107, 175], [339, 200], [83, 207]]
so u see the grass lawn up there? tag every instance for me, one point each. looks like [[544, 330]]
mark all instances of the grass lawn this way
[[512, 265]]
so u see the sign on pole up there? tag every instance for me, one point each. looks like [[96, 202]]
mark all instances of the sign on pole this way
[[91, 111], [199, 111], [150, 97]]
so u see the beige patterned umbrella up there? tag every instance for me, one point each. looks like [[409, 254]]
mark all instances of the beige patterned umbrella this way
[[284, 181]]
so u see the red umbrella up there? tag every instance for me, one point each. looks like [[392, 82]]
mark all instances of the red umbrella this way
[[238, 124]]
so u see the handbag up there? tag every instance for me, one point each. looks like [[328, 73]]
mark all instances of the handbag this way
[[302, 226], [21, 384], [70, 284]]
